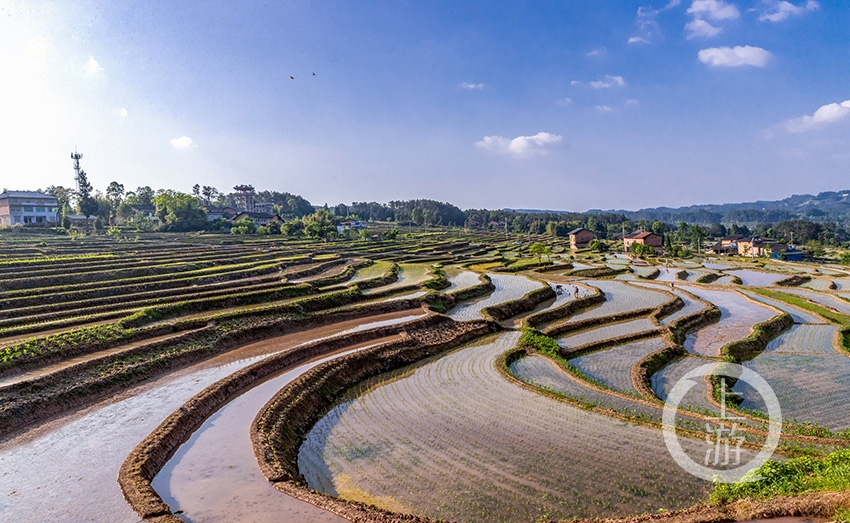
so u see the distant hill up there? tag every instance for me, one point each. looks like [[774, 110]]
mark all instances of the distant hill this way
[[829, 206]]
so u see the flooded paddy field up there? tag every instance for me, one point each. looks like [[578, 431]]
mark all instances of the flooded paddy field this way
[[113, 339], [452, 439], [738, 316]]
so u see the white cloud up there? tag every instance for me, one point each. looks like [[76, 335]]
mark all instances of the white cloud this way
[[825, 114], [564, 102], [632, 102], [701, 29], [647, 25], [121, 114], [599, 51], [713, 10], [92, 68], [608, 82], [467, 85], [734, 56], [779, 11], [672, 3], [604, 108], [521, 145], [184, 142]]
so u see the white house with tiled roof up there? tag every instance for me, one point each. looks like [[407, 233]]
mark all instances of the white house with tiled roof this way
[[25, 207]]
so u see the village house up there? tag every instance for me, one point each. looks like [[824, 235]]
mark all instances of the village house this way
[[216, 213], [643, 238], [28, 207], [77, 220], [580, 238], [727, 245], [257, 218], [755, 247], [266, 207], [349, 224]]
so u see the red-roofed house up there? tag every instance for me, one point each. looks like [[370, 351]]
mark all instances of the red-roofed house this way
[[643, 238]]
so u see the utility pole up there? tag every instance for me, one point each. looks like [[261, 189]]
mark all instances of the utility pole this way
[[624, 238]]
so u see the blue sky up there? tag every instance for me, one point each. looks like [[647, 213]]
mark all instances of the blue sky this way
[[559, 105]]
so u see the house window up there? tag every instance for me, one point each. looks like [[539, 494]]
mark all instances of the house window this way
[[27, 219], [28, 209], [39, 209], [39, 219]]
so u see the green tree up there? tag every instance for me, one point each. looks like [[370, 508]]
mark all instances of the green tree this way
[[598, 246], [538, 249], [320, 224], [243, 226], [179, 211], [86, 205], [145, 195], [115, 195], [293, 227]]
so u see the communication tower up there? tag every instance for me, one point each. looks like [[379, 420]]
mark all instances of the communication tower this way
[[76, 157]]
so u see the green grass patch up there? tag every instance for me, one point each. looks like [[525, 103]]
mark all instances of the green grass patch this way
[[803, 303], [795, 476]]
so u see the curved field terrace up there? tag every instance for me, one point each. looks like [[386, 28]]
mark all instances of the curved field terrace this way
[[428, 440], [738, 317], [110, 347]]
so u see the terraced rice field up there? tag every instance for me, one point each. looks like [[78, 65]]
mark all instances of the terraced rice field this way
[[691, 305], [827, 300], [613, 330], [756, 278], [621, 297], [717, 266], [669, 274], [819, 284], [797, 314], [461, 279], [508, 287], [738, 316], [810, 387], [613, 366], [100, 341], [426, 439], [410, 274], [544, 374], [697, 397]]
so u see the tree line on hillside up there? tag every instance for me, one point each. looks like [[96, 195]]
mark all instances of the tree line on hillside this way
[[177, 211]]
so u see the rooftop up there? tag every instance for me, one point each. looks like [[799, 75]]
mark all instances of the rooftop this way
[[25, 194], [640, 235]]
